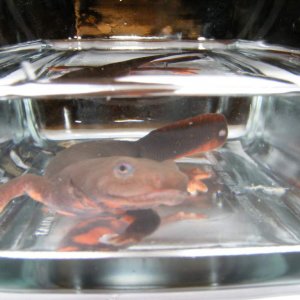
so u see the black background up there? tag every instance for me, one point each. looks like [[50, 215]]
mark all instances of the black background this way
[[275, 21]]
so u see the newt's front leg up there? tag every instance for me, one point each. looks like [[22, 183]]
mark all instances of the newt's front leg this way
[[34, 186], [196, 184], [111, 232]]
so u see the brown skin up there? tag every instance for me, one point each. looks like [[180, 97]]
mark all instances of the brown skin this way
[[113, 187]]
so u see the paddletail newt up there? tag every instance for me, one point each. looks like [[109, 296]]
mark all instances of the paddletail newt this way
[[113, 187]]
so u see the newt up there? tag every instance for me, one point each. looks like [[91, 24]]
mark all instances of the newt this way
[[113, 187]]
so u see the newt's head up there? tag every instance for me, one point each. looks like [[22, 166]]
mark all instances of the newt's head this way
[[127, 183]]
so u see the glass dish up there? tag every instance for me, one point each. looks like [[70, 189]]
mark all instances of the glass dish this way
[[55, 94]]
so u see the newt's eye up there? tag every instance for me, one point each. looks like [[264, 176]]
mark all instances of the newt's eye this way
[[123, 170]]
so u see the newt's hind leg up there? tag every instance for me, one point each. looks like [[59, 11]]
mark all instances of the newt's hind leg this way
[[110, 233], [33, 185]]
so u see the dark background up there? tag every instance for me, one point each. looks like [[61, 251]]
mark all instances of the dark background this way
[[276, 21]]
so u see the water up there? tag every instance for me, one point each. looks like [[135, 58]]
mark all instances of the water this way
[[63, 95]]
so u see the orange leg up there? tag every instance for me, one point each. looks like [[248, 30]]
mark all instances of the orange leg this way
[[35, 186]]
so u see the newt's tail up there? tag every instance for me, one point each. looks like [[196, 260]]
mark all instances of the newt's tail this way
[[201, 133]]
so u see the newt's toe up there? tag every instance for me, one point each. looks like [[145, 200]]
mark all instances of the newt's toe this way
[[196, 186]]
